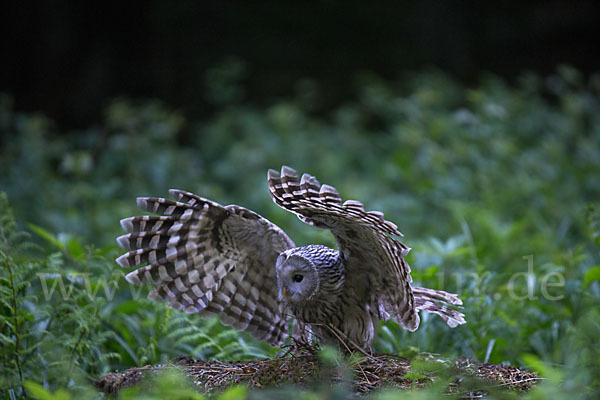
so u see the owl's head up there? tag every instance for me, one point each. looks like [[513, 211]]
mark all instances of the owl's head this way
[[297, 276]]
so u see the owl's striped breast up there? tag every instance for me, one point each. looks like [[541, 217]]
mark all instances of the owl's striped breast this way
[[337, 304]]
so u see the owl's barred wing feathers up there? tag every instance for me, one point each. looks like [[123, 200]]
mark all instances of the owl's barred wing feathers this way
[[210, 259], [373, 258], [440, 303]]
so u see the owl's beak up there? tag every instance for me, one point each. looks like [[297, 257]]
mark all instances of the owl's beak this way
[[284, 291]]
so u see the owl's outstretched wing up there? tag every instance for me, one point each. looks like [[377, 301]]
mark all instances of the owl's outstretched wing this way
[[372, 258], [210, 259]]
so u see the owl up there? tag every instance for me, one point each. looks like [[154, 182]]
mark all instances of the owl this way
[[202, 257]]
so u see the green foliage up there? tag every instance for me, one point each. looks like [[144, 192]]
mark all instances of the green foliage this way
[[47, 335], [169, 384], [14, 319], [495, 187]]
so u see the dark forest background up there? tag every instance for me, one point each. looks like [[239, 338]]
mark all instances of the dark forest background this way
[[67, 58]]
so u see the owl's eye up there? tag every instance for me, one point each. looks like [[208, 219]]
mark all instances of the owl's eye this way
[[298, 278]]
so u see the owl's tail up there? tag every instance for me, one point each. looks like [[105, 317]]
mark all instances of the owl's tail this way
[[440, 303]]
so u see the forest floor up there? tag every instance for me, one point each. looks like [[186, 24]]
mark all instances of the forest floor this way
[[464, 377]]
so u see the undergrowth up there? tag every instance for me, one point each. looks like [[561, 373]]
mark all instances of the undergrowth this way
[[495, 187]]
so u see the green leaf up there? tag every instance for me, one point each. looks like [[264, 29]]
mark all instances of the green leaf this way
[[44, 234], [61, 394], [541, 368], [234, 393], [75, 249], [414, 375], [6, 339], [128, 307], [37, 391], [329, 356], [591, 275]]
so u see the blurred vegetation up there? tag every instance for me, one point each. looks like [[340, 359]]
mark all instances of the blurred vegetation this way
[[485, 182]]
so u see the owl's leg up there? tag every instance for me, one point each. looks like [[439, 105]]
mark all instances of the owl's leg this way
[[332, 335]]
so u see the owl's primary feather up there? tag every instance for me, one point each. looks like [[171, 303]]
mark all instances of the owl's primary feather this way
[[213, 260], [229, 261]]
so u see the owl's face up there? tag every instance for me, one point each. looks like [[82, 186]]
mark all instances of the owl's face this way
[[297, 277]]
